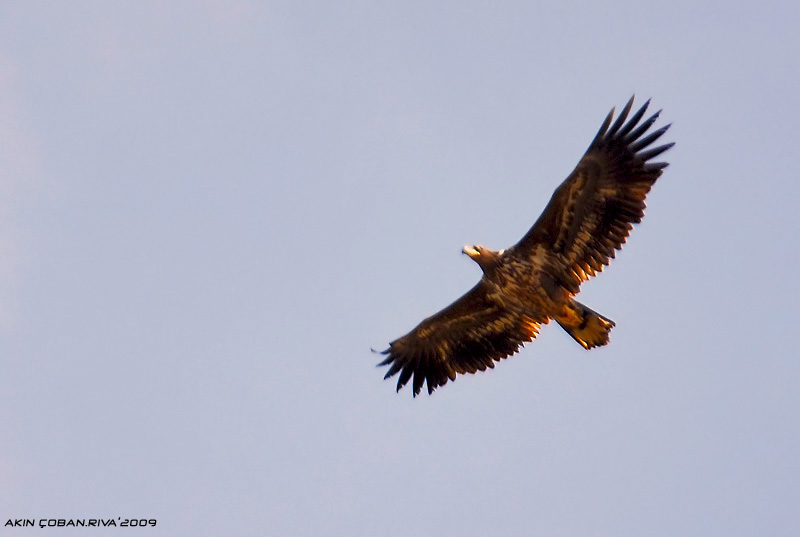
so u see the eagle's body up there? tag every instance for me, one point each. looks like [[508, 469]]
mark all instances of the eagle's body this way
[[588, 218]]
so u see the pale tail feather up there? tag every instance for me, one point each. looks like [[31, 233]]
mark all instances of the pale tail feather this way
[[586, 326]]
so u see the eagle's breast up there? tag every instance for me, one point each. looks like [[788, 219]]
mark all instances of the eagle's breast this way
[[521, 285]]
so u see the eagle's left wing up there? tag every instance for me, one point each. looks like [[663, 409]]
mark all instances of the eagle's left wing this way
[[592, 212], [467, 336]]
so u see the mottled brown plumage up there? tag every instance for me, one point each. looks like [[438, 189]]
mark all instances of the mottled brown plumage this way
[[588, 218]]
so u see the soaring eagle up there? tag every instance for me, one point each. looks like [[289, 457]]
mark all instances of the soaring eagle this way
[[589, 217]]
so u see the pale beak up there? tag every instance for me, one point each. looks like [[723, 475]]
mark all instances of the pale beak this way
[[470, 251]]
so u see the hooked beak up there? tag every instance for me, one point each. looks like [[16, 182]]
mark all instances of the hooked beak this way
[[470, 251]]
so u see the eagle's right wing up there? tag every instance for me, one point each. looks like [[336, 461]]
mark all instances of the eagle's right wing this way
[[467, 336], [592, 212]]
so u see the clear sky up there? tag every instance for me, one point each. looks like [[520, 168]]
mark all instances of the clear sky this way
[[212, 210]]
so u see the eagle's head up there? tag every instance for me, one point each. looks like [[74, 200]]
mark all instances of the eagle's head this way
[[484, 257]]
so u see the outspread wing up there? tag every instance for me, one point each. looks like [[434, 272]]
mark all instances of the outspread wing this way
[[467, 336], [592, 212]]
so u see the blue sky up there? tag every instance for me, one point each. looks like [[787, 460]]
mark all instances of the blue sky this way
[[211, 212]]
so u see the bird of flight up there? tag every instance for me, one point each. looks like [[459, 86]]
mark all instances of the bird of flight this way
[[589, 217]]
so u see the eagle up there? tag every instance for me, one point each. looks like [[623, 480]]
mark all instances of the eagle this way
[[586, 221]]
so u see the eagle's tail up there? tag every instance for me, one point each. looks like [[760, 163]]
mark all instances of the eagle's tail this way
[[585, 325]]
